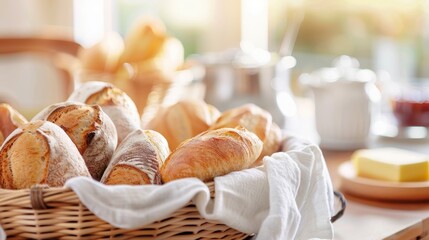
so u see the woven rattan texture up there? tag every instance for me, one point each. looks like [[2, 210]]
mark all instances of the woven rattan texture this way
[[67, 218]]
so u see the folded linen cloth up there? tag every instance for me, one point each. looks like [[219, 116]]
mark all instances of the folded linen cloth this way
[[290, 197], [2, 234]]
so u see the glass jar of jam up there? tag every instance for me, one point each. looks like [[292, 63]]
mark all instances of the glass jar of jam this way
[[410, 106]]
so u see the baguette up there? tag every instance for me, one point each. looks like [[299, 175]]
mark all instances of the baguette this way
[[256, 120], [211, 154]]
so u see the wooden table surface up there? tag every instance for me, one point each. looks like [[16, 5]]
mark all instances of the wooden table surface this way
[[369, 219], [366, 219]]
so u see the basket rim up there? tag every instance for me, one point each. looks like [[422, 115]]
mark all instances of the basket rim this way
[[41, 194], [67, 217]]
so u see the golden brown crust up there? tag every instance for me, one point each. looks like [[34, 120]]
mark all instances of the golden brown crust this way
[[137, 159], [102, 57], [128, 175], [74, 119], [212, 153], [39, 153], [109, 96], [114, 102], [90, 129], [256, 120], [144, 40], [183, 120], [6, 179], [10, 119], [272, 143], [250, 116]]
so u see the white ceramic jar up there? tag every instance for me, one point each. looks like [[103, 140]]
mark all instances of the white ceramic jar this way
[[343, 98]]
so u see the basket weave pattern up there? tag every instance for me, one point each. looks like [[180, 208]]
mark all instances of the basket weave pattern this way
[[65, 217]]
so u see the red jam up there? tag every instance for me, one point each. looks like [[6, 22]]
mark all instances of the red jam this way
[[411, 112]]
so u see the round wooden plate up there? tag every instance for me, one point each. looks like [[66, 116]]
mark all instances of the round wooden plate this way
[[381, 190]]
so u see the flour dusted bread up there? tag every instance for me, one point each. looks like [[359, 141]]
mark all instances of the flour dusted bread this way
[[212, 153], [114, 102], [183, 120], [256, 120], [39, 153], [137, 159], [90, 129], [10, 119]]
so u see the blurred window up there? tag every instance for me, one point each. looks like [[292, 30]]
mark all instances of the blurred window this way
[[388, 35], [385, 35]]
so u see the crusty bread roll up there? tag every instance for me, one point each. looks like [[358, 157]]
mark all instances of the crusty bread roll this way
[[256, 120], [90, 129], [212, 153], [183, 120], [10, 119], [114, 102], [39, 153], [137, 159]]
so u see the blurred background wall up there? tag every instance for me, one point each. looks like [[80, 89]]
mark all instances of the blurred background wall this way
[[29, 82], [385, 35]]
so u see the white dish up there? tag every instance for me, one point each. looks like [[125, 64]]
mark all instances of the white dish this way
[[389, 130]]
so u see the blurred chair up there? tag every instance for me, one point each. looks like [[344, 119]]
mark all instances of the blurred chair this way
[[61, 52], [58, 53]]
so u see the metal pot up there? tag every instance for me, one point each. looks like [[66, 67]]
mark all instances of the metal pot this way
[[235, 77]]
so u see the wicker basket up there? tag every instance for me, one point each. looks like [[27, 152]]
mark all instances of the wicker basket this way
[[152, 89], [57, 213]]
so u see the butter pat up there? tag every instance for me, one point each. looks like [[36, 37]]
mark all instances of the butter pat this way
[[391, 164]]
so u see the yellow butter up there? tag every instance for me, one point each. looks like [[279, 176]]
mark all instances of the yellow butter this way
[[391, 164]]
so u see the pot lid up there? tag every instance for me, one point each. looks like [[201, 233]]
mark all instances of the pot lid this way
[[237, 57], [345, 70]]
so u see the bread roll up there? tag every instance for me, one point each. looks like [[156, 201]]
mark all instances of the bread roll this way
[[144, 40], [114, 102], [90, 129], [10, 119], [137, 159], [103, 56], [183, 120], [39, 153], [212, 153], [256, 120]]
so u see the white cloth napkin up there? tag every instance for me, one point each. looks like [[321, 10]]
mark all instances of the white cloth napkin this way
[[2, 234], [290, 197]]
